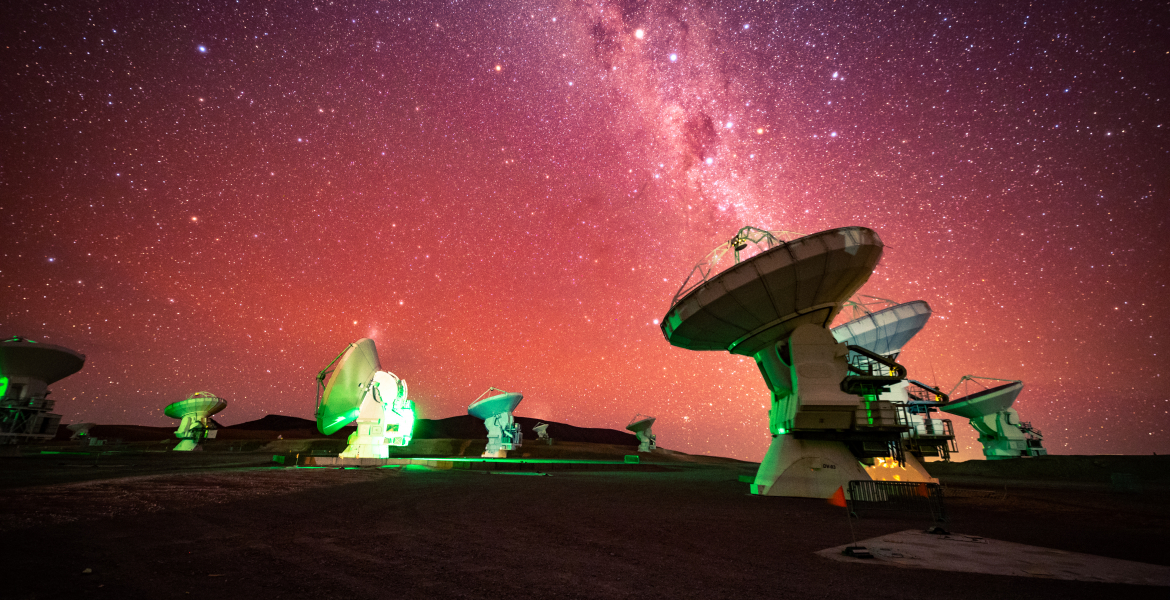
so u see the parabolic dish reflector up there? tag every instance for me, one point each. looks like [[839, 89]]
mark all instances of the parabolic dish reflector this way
[[494, 405], [885, 331], [347, 385], [985, 402], [641, 424], [762, 299], [42, 362], [199, 404]]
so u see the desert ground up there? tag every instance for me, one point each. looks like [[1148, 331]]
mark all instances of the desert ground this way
[[137, 521]]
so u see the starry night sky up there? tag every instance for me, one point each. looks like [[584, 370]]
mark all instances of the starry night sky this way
[[221, 196]]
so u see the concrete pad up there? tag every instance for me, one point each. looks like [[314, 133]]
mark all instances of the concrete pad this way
[[917, 549]]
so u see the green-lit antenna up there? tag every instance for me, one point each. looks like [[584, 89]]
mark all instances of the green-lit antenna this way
[[194, 415], [357, 389]]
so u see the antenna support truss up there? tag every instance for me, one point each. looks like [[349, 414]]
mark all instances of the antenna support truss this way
[[747, 242], [976, 379]]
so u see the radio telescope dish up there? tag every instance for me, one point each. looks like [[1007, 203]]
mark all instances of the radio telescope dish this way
[[193, 414], [641, 425], [885, 331], [357, 389], [27, 368], [80, 430], [987, 401], [775, 304], [346, 387], [990, 411], [503, 431], [541, 431], [24, 358], [761, 300]]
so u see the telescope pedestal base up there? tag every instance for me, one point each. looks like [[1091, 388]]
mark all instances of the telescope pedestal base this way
[[806, 468], [187, 445], [369, 441], [365, 451]]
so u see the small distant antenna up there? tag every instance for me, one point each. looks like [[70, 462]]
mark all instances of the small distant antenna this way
[[81, 433], [80, 430], [990, 411], [503, 432], [641, 425], [541, 430], [194, 414]]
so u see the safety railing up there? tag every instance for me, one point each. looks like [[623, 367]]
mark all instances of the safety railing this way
[[896, 496]]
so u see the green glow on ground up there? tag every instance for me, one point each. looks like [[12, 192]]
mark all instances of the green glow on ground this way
[[527, 461], [3, 386]]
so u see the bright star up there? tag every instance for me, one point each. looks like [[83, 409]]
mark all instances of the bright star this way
[[639, 33], [673, 58], [202, 49]]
